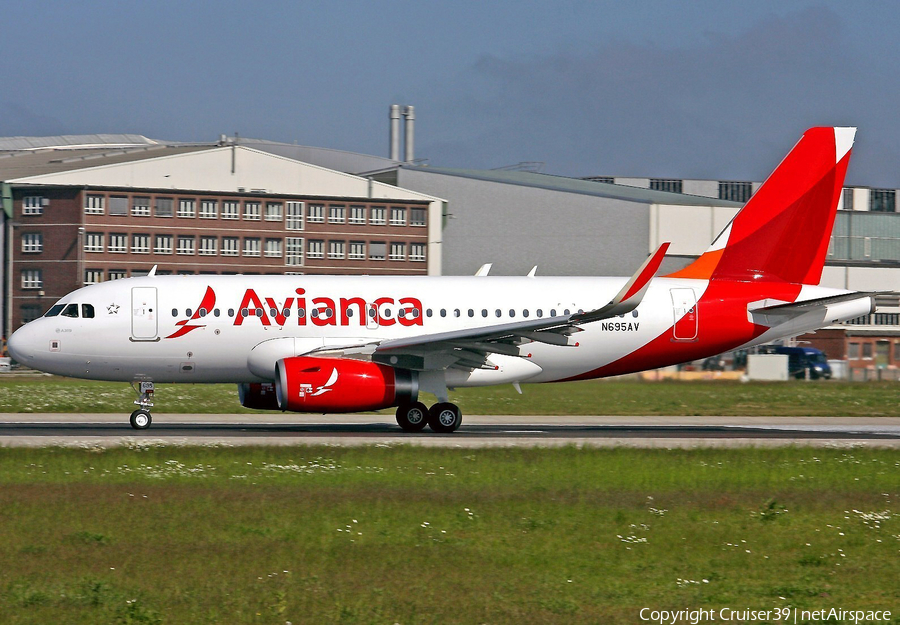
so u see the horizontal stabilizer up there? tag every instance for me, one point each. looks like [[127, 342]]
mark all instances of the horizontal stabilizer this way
[[793, 309]]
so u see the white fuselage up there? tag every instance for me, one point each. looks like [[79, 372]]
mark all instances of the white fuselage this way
[[153, 328]]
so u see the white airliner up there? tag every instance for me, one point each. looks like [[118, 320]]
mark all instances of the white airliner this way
[[331, 344]]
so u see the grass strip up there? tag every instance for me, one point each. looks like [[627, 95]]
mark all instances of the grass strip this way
[[593, 397], [396, 534]]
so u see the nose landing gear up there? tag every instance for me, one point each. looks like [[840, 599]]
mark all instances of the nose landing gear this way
[[140, 418]]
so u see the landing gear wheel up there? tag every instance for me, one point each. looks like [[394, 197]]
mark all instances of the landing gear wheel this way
[[444, 418], [141, 419], [412, 417]]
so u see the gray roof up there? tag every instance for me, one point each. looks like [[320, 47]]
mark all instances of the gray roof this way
[[338, 160], [70, 141], [576, 185], [22, 164]]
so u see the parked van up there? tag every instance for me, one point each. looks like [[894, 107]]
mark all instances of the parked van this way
[[803, 359]]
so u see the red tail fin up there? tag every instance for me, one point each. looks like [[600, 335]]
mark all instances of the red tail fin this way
[[782, 233]]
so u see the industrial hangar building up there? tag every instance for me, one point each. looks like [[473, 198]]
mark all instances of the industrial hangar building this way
[[80, 210], [512, 218]]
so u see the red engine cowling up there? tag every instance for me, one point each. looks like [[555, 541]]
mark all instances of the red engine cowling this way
[[259, 396], [329, 385]]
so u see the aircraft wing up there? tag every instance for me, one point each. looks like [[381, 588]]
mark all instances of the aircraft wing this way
[[470, 347]]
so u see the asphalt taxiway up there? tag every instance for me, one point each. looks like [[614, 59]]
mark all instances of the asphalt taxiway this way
[[476, 431]]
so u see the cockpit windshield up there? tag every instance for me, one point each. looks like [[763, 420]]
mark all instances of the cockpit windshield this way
[[71, 310]]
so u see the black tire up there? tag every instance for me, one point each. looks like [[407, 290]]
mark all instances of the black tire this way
[[141, 419], [412, 417], [444, 418]]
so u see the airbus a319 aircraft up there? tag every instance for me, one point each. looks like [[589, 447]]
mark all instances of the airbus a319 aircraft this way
[[330, 344]]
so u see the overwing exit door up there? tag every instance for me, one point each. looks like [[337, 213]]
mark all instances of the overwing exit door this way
[[684, 307], [144, 314]]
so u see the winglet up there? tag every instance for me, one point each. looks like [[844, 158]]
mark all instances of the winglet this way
[[484, 270], [631, 294]]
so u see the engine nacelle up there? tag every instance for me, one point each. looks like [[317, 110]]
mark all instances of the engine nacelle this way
[[259, 396], [330, 385]]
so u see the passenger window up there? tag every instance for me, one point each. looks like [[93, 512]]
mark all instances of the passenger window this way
[[54, 310], [174, 312], [512, 313], [87, 311], [70, 311], [443, 312], [471, 313], [216, 312], [525, 313], [552, 312], [484, 312], [540, 312], [231, 312], [456, 312], [497, 312]]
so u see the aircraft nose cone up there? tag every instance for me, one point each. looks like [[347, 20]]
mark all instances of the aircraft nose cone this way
[[21, 345]]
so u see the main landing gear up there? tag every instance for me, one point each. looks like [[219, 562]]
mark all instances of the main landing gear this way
[[140, 418], [443, 417]]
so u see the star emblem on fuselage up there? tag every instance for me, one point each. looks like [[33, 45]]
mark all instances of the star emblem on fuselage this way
[[113, 309]]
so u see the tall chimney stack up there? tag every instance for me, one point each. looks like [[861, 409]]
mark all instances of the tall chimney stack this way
[[395, 132], [410, 115]]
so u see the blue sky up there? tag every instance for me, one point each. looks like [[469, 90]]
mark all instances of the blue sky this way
[[706, 89]]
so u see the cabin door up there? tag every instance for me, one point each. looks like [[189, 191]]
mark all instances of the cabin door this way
[[144, 314], [684, 306]]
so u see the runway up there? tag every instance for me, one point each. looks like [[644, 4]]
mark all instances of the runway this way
[[476, 431]]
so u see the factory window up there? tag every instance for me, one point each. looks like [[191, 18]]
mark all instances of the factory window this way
[[417, 217], [93, 276], [377, 250], [118, 205], [118, 243], [93, 242], [665, 184], [32, 279], [186, 208], [251, 211], [357, 215], [316, 214], [186, 245], [357, 250], [336, 214], [162, 244], [735, 191], [164, 207], [140, 244], [209, 246], [417, 252], [229, 246], [398, 216], [251, 246], [398, 251], [853, 351], [847, 195], [230, 209], [116, 274], [32, 205], [377, 216], [93, 204], [294, 216], [32, 242], [274, 211], [30, 312], [140, 206], [866, 350], [209, 209], [315, 249], [882, 201], [293, 252], [273, 248], [336, 250]]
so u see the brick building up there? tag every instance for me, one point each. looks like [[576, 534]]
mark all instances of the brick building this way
[[76, 216]]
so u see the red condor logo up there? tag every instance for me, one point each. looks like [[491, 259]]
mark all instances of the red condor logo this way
[[316, 311]]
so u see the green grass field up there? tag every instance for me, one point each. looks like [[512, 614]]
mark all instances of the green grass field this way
[[411, 535], [596, 397]]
